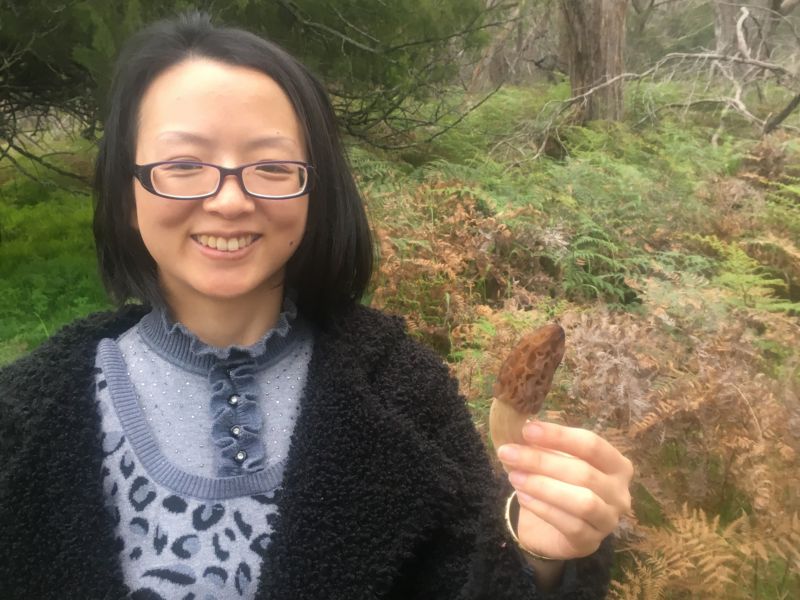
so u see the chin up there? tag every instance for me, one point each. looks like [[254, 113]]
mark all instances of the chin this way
[[224, 290]]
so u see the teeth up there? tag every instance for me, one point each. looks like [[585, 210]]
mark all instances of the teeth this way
[[226, 245]]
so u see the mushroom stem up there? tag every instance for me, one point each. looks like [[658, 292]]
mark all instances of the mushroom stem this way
[[505, 424]]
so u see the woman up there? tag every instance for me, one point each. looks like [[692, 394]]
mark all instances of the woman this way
[[250, 430]]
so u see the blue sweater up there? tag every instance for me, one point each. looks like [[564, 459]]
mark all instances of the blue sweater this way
[[195, 440]]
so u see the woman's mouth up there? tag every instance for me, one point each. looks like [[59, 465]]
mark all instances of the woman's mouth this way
[[224, 244]]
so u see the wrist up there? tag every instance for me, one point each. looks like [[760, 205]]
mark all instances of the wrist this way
[[547, 571]]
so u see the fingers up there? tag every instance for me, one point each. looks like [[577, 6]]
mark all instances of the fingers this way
[[580, 443], [579, 536], [564, 504], [570, 479], [564, 468]]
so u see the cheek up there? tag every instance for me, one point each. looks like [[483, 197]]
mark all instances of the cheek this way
[[159, 215], [153, 212], [162, 229], [290, 219]]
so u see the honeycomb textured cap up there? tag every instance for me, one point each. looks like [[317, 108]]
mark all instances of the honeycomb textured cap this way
[[527, 373]]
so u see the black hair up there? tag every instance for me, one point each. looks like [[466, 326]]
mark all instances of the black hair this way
[[332, 265]]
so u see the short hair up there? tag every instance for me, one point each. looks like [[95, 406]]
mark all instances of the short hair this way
[[332, 265]]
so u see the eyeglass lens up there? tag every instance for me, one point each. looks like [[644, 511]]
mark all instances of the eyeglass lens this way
[[185, 180]]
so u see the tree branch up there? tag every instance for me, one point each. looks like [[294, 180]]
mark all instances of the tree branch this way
[[734, 103], [351, 26], [469, 29], [295, 12], [788, 6], [44, 163], [702, 56], [740, 36]]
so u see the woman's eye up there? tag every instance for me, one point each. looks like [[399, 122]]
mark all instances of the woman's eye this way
[[273, 169], [183, 167]]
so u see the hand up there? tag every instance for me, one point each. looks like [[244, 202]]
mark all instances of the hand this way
[[572, 487]]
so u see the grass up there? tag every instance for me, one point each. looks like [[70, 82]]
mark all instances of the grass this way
[[47, 263]]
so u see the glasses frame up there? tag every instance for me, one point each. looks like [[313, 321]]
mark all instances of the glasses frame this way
[[144, 173]]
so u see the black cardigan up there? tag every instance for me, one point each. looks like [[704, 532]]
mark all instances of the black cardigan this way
[[387, 493]]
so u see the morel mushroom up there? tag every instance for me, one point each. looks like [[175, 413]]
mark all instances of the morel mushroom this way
[[524, 380]]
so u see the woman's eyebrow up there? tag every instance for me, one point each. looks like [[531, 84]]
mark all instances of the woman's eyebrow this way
[[184, 136], [269, 141]]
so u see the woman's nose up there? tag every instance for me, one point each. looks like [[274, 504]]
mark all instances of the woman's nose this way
[[231, 200]]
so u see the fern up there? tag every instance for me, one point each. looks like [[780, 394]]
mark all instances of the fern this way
[[750, 282], [593, 269], [699, 557]]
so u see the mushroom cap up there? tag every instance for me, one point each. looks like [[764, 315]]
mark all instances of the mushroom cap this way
[[527, 373]]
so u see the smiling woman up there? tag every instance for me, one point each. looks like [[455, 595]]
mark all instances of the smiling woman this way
[[188, 93], [207, 111], [241, 426]]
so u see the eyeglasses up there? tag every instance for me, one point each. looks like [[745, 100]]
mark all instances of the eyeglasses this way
[[192, 180]]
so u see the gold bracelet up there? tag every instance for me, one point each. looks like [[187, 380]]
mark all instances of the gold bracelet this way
[[509, 502]]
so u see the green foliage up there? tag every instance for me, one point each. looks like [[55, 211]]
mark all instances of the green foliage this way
[[593, 269], [498, 125], [106, 26], [651, 35], [648, 510], [783, 207], [47, 264], [380, 61], [752, 285], [380, 45], [615, 209]]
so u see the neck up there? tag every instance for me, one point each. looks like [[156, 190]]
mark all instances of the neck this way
[[225, 322]]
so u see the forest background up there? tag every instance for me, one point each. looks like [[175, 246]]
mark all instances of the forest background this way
[[629, 168]]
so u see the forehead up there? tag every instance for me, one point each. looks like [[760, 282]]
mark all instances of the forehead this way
[[202, 101]]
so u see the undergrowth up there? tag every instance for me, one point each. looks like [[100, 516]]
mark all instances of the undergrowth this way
[[672, 263], [47, 263]]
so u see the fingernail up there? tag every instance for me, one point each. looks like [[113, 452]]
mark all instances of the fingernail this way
[[523, 497], [507, 453], [532, 431]]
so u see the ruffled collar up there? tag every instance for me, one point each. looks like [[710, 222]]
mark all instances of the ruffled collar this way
[[174, 342]]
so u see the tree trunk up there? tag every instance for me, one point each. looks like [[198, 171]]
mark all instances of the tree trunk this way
[[725, 15], [487, 67], [593, 42]]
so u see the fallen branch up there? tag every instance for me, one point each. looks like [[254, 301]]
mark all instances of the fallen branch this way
[[773, 123], [722, 63]]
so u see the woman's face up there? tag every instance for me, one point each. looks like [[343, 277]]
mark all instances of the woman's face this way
[[208, 111]]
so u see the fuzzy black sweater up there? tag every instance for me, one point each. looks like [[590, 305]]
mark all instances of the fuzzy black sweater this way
[[388, 491]]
